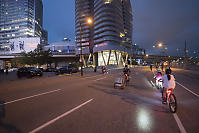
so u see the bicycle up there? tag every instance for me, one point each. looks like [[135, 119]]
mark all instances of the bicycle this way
[[159, 84], [126, 79], [171, 100]]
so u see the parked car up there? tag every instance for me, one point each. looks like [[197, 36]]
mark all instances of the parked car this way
[[29, 72], [63, 70], [41, 69], [1, 70], [74, 69], [67, 69], [50, 70]]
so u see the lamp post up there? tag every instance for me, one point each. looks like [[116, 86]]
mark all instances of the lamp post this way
[[89, 21], [160, 45], [91, 41], [165, 47], [81, 61]]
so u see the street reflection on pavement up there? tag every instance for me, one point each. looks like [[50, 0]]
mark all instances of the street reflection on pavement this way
[[144, 120]]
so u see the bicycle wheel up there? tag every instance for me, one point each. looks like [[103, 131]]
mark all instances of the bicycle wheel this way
[[172, 103]]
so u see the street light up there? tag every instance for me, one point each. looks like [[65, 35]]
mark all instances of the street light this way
[[89, 21], [160, 45], [165, 47]]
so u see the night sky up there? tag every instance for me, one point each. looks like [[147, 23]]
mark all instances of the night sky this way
[[167, 21]]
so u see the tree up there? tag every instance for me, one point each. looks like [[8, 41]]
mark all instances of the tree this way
[[36, 57]]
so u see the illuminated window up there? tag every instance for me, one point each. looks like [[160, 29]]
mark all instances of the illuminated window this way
[[121, 35], [23, 29], [107, 1]]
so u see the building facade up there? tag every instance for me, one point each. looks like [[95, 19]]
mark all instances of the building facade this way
[[110, 34], [20, 19], [63, 47]]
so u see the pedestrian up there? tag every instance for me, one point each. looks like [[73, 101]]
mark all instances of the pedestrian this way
[[162, 67], [151, 67], [6, 70], [95, 69]]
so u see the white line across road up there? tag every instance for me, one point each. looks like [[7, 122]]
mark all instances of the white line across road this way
[[59, 117], [31, 96], [181, 127], [188, 89]]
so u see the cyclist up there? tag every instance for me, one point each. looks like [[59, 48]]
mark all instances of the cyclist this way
[[127, 71], [104, 70], [158, 77], [168, 82]]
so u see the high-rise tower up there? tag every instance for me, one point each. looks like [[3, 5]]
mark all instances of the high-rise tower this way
[[111, 30], [20, 18]]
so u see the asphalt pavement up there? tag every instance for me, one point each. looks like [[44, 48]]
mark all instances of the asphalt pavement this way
[[90, 104]]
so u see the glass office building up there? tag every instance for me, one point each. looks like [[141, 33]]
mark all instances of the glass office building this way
[[110, 35], [19, 19]]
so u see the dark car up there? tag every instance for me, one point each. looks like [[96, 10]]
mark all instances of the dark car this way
[[1, 70], [50, 70], [64, 70], [73, 69], [41, 69], [29, 72], [67, 69]]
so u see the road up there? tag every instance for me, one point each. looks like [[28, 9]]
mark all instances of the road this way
[[90, 104]]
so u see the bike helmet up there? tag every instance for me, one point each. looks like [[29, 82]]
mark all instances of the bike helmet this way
[[168, 71]]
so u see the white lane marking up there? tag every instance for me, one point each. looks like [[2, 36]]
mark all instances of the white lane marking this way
[[181, 127], [152, 83], [188, 89], [100, 79], [31, 96], [59, 117]]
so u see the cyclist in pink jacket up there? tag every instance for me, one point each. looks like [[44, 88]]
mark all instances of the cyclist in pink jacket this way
[[168, 82]]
